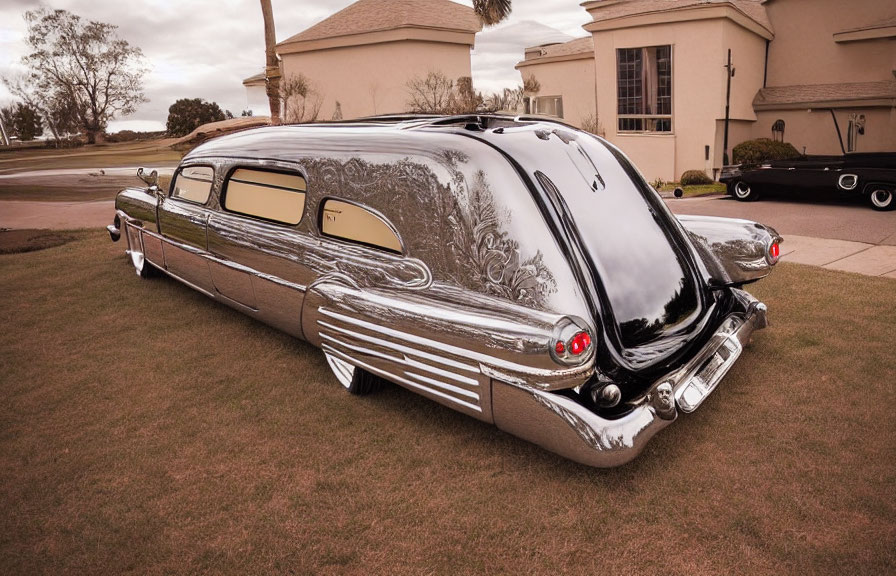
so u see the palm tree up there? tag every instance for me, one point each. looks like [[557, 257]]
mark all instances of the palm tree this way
[[272, 68], [491, 11]]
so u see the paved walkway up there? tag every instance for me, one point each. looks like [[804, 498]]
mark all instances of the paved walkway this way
[[868, 259], [872, 259], [18, 214]]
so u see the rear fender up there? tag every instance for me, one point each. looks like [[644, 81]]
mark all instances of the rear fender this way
[[734, 252]]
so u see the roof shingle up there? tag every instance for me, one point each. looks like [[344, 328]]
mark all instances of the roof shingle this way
[[819, 94], [578, 46], [623, 8], [378, 15]]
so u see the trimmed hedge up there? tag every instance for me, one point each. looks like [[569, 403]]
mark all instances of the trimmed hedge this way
[[752, 152], [695, 178]]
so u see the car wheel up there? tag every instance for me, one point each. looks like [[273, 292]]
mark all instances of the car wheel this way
[[882, 199], [143, 268], [743, 191], [356, 380]]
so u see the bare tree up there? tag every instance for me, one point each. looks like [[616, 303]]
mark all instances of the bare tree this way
[[301, 102], [430, 95], [272, 66], [508, 100], [591, 123], [466, 100], [86, 63]]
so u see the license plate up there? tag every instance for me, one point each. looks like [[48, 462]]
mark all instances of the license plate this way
[[708, 376]]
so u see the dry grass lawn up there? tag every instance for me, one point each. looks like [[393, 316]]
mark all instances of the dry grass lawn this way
[[146, 429]]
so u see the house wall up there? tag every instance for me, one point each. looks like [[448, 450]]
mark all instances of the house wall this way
[[257, 100], [813, 130], [804, 50], [699, 52], [372, 78], [571, 79]]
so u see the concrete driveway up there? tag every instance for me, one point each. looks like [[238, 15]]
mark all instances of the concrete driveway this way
[[840, 236]]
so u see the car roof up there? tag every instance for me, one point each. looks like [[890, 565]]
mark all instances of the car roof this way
[[362, 135]]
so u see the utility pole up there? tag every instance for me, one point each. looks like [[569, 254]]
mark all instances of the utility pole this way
[[729, 73], [272, 67], [4, 139]]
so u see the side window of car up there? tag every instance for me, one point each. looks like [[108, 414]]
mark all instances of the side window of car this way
[[193, 183], [357, 224], [276, 196]]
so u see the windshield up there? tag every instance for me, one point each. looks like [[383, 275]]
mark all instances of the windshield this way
[[644, 277]]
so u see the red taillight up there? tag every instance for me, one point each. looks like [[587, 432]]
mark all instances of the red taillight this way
[[559, 347], [579, 343], [774, 251]]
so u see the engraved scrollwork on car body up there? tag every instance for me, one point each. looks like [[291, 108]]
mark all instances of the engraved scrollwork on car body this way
[[489, 258], [479, 255]]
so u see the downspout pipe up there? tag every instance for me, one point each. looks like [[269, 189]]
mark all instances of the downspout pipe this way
[[837, 126]]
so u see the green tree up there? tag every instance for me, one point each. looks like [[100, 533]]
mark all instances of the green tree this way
[[491, 11], [22, 121], [187, 114], [60, 113], [86, 64]]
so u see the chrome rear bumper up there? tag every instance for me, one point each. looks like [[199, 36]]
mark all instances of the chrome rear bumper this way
[[565, 427]]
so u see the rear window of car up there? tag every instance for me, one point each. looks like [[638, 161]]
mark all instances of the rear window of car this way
[[357, 224], [194, 184], [275, 196]]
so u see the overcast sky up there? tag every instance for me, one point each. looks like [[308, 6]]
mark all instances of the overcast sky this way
[[205, 48]]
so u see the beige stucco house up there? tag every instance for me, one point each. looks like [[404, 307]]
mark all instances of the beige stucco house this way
[[360, 60], [565, 77], [661, 77]]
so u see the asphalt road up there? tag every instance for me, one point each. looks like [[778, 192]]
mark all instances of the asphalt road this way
[[855, 222]]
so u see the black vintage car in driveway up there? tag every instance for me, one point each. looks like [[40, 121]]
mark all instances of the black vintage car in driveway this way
[[871, 175]]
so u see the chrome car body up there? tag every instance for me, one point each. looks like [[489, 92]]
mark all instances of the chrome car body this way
[[518, 271]]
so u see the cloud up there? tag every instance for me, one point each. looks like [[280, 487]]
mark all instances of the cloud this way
[[205, 48], [499, 49]]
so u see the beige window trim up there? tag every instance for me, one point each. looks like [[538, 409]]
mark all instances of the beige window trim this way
[[276, 196], [356, 223], [193, 184]]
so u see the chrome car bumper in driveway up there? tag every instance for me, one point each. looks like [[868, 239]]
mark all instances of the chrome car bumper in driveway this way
[[564, 426]]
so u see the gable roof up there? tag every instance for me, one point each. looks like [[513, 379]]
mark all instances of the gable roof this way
[[607, 10], [255, 80], [365, 16], [573, 50]]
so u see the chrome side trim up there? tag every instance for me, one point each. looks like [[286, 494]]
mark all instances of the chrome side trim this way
[[486, 362], [400, 380], [400, 348], [408, 368]]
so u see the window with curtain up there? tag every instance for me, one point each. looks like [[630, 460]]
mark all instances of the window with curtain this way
[[644, 89]]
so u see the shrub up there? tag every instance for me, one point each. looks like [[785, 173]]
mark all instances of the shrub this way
[[761, 150], [695, 178]]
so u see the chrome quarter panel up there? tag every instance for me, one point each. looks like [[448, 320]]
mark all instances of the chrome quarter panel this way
[[733, 251]]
